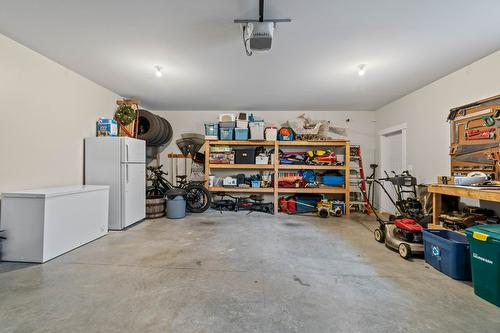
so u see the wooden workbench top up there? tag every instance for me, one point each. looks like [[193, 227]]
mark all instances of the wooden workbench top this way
[[465, 191]]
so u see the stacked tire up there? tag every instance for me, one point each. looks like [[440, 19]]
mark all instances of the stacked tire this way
[[155, 130]]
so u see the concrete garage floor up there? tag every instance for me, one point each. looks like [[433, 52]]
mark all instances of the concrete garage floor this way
[[239, 273]]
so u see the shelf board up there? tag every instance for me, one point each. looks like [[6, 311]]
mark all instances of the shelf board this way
[[317, 190], [241, 189], [310, 167], [241, 142], [241, 166], [324, 143]]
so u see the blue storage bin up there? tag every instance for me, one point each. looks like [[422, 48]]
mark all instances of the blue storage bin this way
[[241, 133], [448, 252], [255, 183], [333, 180], [212, 129], [226, 133], [307, 203]]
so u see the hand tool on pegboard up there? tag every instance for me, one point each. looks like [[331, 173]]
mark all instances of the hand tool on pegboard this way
[[480, 133]]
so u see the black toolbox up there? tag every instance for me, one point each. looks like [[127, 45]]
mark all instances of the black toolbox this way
[[244, 155]]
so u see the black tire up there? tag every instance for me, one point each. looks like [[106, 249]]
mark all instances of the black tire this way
[[170, 133], [161, 136], [404, 250], [160, 133], [199, 198], [379, 235], [165, 133], [148, 126]]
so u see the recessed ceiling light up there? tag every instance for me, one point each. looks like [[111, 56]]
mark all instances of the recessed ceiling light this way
[[158, 71], [361, 69]]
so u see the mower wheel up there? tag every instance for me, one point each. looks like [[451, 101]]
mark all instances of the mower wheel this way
[[323, 213], [379, 235], [404, 250]]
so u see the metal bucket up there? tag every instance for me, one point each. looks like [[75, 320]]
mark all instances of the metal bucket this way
[[155, 207]]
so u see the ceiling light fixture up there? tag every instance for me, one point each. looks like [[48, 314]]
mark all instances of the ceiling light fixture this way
[[361, 69], [158, 71]]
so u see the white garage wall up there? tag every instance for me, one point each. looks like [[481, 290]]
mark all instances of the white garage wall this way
[[361, 125], [425, 111], [46, 112]]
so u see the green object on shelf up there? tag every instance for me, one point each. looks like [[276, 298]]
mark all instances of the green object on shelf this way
[[125, 114], [485, 261]]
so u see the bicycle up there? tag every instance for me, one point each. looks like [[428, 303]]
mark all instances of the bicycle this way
[[198, 198]]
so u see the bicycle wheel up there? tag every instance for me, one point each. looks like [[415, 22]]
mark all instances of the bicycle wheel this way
[[199, 198], [155, 192]]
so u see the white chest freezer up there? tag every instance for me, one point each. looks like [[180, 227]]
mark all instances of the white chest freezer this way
[[43, 224]]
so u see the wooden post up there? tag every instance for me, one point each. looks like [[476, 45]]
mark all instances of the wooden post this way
[[276, 167], [437, 201], [207, 162], [347, 180]]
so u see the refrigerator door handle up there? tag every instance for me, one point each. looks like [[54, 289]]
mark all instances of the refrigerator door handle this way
[[126, 151], [126, 171]]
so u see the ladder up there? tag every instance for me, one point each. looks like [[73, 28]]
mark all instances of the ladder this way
[[359, 199]]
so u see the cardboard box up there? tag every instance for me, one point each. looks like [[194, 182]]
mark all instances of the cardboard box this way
[[106, 127]]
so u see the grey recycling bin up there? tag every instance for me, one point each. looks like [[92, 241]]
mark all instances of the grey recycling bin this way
[[176, 203]]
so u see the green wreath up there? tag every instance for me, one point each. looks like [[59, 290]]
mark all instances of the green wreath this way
[[125, 114]]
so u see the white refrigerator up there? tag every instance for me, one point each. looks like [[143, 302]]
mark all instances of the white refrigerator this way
[[119, 162]]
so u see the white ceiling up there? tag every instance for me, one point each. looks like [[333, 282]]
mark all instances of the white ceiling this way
[[312, 66]]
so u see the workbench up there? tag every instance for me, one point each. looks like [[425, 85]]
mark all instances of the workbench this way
[[438, 190]]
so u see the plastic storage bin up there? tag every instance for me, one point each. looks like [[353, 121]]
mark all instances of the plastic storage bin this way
[[212, 130], [241, 123], [227, 124], [485, 261], [307, 203], [241, 133], [256, 130], [244, 156], [226, 133], [448, 252], [271, 133]]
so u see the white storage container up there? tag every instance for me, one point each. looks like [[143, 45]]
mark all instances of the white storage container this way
[[271, 133], [43, 224], [226, 117], [241, 123], [256, 130], [261, 159]]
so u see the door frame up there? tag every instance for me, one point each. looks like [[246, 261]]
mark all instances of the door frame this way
[[383, 134]]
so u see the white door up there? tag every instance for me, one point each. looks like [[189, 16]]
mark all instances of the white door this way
[[392, 159], [134, 193], [133, 150]]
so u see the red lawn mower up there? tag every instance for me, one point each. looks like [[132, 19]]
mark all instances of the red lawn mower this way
[[404, 231]]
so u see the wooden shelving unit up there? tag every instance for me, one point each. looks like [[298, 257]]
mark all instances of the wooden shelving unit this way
[[242, 189], [276, 167], [310, 167], [242, 166]]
